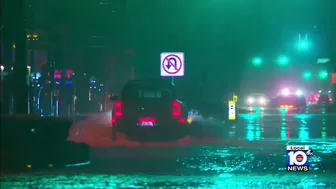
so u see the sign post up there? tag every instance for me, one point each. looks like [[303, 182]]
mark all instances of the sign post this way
[[172, 65], [232, 110], [235, 98], [333, 87]]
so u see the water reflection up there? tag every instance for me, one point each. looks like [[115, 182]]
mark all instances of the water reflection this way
[[254, 127], [324, 129], [250, 133], [285, 131], [259, 127], [286, 126], [303, 128], [323, 110], [232, 131]]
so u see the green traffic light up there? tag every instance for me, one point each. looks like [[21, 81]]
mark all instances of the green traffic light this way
[[323, 74], [303, 45], [307, 75], [283, 61], [257, 61]]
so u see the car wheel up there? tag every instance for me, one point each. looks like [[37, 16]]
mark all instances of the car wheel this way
[[73, 153], [180, 134], [196, 130], [114, 133]]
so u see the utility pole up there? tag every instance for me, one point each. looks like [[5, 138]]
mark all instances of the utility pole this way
[[31, 38], [2, 44], [20, 72], [332, 43]]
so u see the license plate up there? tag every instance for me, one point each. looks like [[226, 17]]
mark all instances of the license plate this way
[[146, 122]]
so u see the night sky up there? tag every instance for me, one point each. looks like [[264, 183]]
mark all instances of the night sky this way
[[218, 37]]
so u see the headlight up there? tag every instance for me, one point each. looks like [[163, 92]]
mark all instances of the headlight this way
[[299, 93], [262, 100], [285, 92], [250, 100]]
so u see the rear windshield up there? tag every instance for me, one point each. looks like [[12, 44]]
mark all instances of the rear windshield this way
[[144, 92]]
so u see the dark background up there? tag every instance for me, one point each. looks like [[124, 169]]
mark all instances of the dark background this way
[[117, 40]]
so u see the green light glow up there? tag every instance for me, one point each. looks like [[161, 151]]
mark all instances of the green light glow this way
[[323, 74], [307, 75], [257, 61], [283, 61]]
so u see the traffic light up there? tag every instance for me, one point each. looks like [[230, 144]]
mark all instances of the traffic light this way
[[283, 61], [257, 61], [303, 42], [323, 74], [303, 46], [307, 75]]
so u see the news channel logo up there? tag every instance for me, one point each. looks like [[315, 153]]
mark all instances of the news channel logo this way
[[298, 158]]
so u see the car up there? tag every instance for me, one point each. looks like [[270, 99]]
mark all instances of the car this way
[[324, 100], [293, 103], [149, 107], [255, 102]]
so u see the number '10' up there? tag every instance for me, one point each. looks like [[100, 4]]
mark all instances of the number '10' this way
[[292, 158]]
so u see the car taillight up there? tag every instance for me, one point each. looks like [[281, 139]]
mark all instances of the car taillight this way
[[182, 120], [329, 99], [117, 109], [176, 109], [116, 112], [147, 120]]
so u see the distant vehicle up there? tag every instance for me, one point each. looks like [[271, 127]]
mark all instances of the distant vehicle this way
[[324, 99], [312, 98], [255, 101], [295, 103], [149, 106]]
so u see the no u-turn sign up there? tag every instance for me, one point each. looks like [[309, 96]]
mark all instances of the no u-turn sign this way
[[172, 64]]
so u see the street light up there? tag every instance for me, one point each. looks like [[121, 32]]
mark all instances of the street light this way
[[283, 61], [257, 61], [32, 37]]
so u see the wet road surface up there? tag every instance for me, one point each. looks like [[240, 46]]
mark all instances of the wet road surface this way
[[250, 153]]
